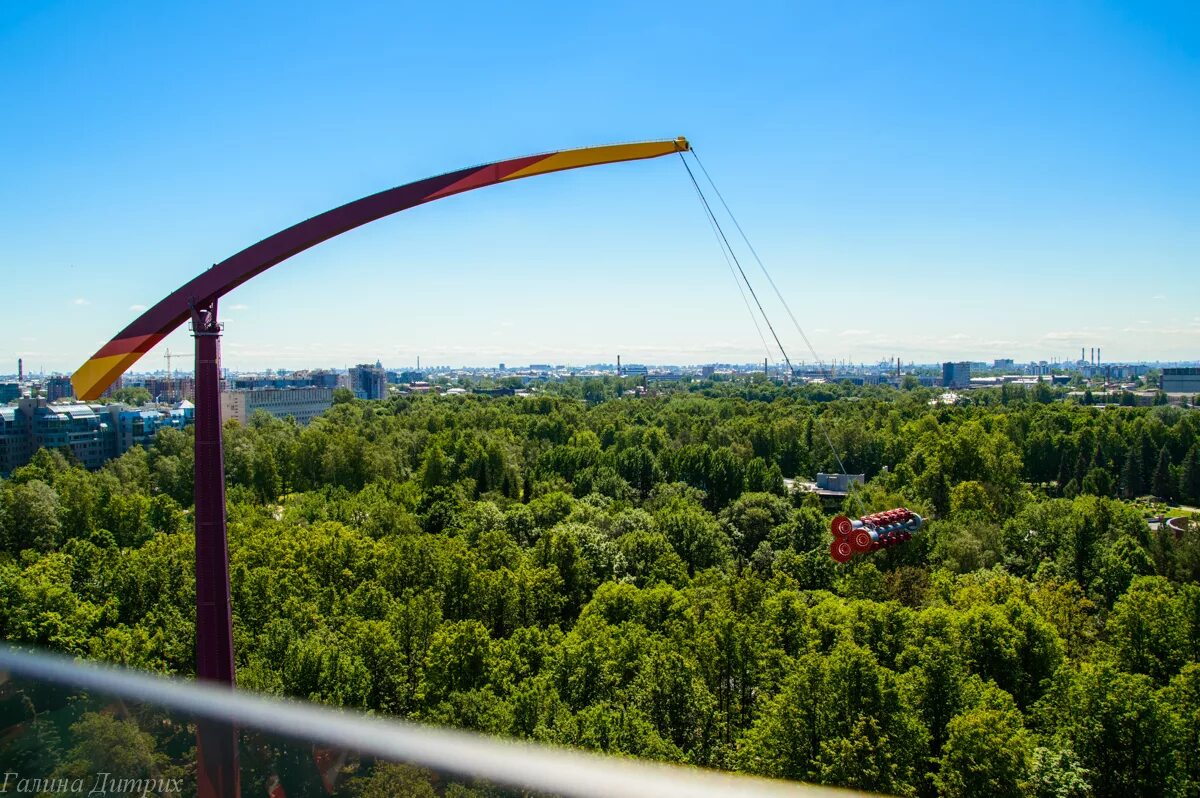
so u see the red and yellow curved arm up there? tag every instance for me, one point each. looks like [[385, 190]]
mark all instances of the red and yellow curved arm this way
[[115, 357]]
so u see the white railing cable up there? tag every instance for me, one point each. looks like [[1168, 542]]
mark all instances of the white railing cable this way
[[525, 765]]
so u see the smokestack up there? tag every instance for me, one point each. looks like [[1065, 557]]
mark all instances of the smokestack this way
[[1081, 355], [20, 370], [618, 365], [1098, 361]]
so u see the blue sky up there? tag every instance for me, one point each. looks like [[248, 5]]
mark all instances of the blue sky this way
[[924, 179]]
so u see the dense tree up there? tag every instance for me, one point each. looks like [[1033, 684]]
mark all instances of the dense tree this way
[[30, 516], [631, 576], [135, 395], [1189, 478], [988, 752], [1124, 733], [1160, 483]]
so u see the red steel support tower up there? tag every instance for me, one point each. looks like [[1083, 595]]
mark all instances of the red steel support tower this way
[[216, 743]]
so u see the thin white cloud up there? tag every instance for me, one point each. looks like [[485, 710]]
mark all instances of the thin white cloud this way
[[1067, 335], [81, 301], [137, 307], [1175, 331], [853, 333], [239, 307]]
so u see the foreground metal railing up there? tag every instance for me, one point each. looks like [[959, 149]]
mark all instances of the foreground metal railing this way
[[72, 727]]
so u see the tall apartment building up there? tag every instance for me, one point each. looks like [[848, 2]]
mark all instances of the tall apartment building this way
[[59, 387], [302, 404], [956, 375], [369, 382]]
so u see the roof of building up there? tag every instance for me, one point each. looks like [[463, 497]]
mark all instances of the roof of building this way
[[72, 410]]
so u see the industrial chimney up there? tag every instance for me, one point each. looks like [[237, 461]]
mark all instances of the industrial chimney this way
[[20, 370]]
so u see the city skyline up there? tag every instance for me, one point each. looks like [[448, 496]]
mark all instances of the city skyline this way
[[956, 197], [144, 369]]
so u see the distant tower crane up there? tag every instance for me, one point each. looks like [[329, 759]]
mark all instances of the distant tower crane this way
[[168, 356]]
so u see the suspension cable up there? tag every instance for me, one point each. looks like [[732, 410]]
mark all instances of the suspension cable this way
[[741, 271], [712, 223], [779, 295], [717, 225]]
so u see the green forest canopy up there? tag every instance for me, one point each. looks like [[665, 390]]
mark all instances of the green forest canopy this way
[[630, 575]]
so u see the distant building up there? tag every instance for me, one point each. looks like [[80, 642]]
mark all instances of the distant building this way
[[318, 378], [16, 439], [634, 370], [1181, 380], [163, 390], [839, 483], [831, 488], [74, 427], [59, 387], [956, 375], [302, 404], [1003, 363], [9, 391], [127, 427], [93, 433], [369, 382]]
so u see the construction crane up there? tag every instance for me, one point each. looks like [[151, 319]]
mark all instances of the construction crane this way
[[168, 356]]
